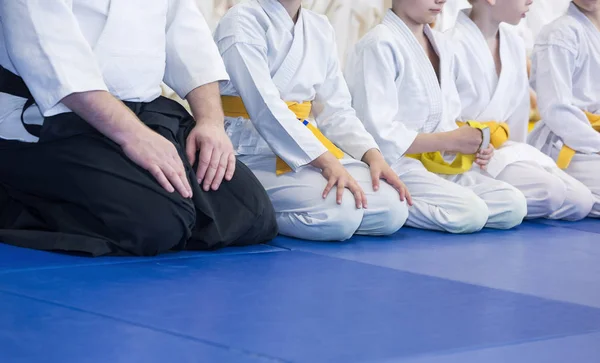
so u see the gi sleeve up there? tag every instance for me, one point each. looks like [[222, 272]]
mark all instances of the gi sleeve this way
[[287, 137], [518, 121], [49, 51], [371, 74], [333, 112], [193, 59], [554, 68]]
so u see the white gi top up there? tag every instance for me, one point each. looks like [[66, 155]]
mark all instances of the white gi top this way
[[566, 77], [396, 91], [64, 46], [271, 60], [541, 13], [485, 96]]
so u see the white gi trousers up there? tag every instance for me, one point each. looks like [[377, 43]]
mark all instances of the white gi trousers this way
[[301, 212], [550, 192], [586, 169], [463, 203]]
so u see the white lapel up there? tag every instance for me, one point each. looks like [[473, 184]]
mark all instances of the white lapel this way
[[592, 32], [406, 39], [284, 75], [483, 57], [497, 109], [113, 19], [493, 107]]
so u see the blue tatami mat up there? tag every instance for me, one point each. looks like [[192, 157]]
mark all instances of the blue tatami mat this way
[[535, 259], [586, 225], [580, 349], [13, 259], [35, 332], [297, 307]]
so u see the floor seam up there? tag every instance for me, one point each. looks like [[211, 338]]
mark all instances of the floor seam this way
[[149, 327], [111, 263]]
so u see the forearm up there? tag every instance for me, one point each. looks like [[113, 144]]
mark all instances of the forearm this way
[[106, 114], [205, 102], [430, 143]]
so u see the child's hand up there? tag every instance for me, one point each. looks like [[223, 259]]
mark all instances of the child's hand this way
[[337, 176], [484, 156], [381, 170], [465, 140]]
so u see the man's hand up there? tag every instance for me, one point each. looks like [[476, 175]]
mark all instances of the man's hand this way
[[143, 146], [381, 170], [216, 160], [159, 157]]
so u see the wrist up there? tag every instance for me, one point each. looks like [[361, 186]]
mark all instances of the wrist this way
[[205, 104], [371, 156], [128, 134], [323, 160], [211, 121], [446, 141]]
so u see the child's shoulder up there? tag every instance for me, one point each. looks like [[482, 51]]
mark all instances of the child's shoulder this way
[[379, 36], [243, 12], [566, 31], [380, 41], [319, 26], [316, 19], [244, 22]]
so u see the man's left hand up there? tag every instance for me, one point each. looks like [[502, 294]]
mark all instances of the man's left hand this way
[[216, 160]]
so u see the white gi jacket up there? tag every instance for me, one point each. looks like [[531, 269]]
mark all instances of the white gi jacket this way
[[64, 46], [396, 91], [304, 67], [565, 64], [485, 96]]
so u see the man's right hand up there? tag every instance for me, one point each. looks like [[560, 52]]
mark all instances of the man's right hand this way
[[159, 157], [336, 175], [143, 146], [465, 140]]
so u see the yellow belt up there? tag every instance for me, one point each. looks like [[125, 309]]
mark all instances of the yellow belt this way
[[435, 163], [534, 117], [234, 107], [566, 153], [534, 114]]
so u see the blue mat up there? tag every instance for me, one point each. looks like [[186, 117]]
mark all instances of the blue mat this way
[[33, 331], [525, 296], [556, 263], [587, 225], [302, 307], [14, 259], [580, 348]]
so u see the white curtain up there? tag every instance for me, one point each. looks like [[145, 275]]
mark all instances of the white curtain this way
[[351, 19]]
